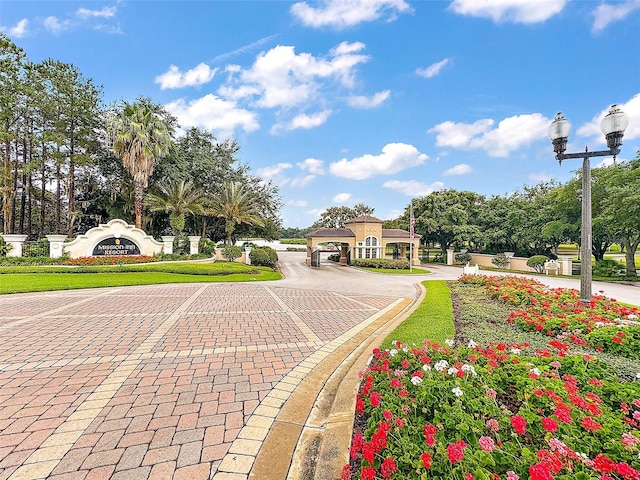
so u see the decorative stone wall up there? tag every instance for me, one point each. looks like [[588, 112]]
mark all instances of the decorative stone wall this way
[[116, 237]]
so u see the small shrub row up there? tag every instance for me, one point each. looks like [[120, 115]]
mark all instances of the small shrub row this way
[[381, 263], [264, 256]]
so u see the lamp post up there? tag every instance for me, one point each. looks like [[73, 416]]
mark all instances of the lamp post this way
[[613, 126]]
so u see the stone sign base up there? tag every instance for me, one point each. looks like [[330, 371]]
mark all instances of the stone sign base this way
[[116, 237]]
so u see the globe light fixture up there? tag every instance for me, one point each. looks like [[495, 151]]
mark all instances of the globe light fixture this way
[[613, 126]]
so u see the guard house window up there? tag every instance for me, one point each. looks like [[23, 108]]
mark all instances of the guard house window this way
[[371, 247]]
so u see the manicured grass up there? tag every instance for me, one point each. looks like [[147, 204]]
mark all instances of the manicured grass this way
[[40, 279], [432, 320], [416, 271]]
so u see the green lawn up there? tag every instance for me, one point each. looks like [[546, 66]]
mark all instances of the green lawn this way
[[433, 319], [39, 279]]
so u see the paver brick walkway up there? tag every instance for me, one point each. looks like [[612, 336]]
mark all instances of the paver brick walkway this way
[[156, 382]]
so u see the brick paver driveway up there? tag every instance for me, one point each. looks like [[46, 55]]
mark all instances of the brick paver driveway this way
[[160, 381]]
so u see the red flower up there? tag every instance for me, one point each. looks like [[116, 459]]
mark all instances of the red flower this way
[[429, 434], [468, 476], [549, 424], [627, 471], [346, 473], [375, 398], [603, 464], [519, 424], [455, 451], [368, 452], [426, 460], [590, 424], [388, 467], [538, 472], [368, 473]]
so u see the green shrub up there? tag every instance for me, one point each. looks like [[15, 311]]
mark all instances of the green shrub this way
[[537, 262], [231, 252], [381, 263], [609, 268], [207, 247], [334, 257], [463, 257], [264, 256], [500, 260], [4, 247], [293, 241]]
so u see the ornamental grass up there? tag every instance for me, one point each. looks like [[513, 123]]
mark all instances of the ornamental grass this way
[[504, 410]]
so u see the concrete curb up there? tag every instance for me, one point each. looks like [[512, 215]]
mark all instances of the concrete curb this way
[[311, 435]]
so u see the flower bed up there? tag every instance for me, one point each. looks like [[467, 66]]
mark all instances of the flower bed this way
[[495, 412], [535, 408], [109, 260], [603, 324]]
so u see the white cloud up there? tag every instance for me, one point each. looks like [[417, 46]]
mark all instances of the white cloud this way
[[303, 121], [54, 25], [106, 12], [342, 14], [361, 101], [394, 158], [511, 134], [517, 11], [312, 165], [214, 114], [630, 108], [540, 177], [433, 69], [298, 203], [17, 31], [301, 182], [273, 171], [605, 13], [174, 78], [341, 197], [280, 78], [413, 188], [607, 162], [460, 169]]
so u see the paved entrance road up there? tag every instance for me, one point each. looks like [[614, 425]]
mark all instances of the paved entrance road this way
[[174, 381]]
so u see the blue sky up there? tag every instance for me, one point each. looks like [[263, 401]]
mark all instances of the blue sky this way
[[373, 101]]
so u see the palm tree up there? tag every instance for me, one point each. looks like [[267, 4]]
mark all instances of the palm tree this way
[[236, 205], [139, 135], [177, 198]]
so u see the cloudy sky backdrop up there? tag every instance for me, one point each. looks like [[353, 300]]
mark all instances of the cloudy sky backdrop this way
[[373, 101]]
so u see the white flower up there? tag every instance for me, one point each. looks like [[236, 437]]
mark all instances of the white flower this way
[[535, 371], [638, 376], [452, 371], [457, 391], [632, 316], [516, 351], [472, 344], [441, 365], [393, 352], [405, 349], [449, 342], [470, 369], [416, 380], [426, 368]]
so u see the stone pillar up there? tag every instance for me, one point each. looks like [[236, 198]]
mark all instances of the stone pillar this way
[[450, 257], [509, 256], [219, 253], [16, 242], [167, 244], [193, 244], [247, 259], [343, 255], [56, 247], [566, 262]]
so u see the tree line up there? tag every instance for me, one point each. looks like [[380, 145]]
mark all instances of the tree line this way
[[68, 162], [537, 219]]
